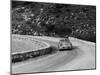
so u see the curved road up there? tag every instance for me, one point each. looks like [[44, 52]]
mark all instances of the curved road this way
[[81, 57]]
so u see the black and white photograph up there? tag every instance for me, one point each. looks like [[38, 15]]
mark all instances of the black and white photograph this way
[[52, 37]]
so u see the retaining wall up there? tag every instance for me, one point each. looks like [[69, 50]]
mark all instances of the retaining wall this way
[[21, 56]]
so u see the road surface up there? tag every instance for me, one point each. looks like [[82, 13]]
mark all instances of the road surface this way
[[81, 57]]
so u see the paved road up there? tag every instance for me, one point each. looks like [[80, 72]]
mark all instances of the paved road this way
[[81, 57]]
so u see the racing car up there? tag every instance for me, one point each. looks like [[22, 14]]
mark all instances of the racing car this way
[[65, 44]]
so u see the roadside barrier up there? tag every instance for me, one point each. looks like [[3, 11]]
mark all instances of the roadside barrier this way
[[21, 56]]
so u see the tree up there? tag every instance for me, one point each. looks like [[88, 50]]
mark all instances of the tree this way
[[63, 30]]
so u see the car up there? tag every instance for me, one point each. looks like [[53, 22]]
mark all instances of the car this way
[[65, 44]]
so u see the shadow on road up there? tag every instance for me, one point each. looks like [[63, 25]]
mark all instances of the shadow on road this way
[[73, 48]]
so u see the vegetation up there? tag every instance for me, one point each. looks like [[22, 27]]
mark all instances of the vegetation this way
[[50, 19]]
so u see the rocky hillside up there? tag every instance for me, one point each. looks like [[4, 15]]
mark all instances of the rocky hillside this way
[[50, 19]]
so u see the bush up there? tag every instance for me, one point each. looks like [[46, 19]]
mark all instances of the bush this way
[[47, 18]]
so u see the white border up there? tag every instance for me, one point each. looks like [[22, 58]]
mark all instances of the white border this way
[[5, 37]]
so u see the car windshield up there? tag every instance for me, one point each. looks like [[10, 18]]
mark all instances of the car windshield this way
[[65, 40]]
